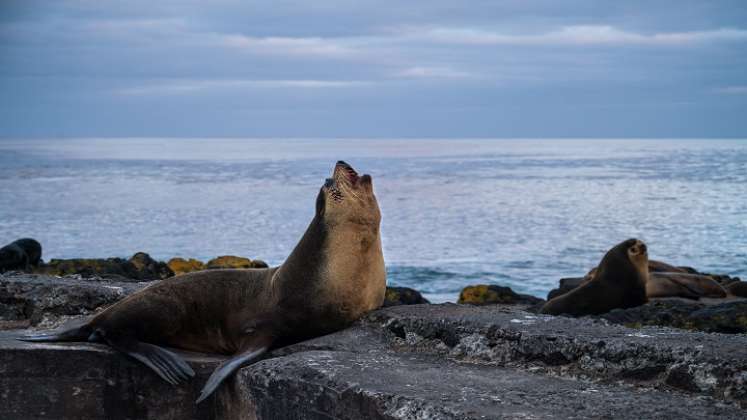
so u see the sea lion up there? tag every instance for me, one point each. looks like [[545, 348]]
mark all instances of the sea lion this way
[[664, 280], [20, 255], [685, 285], [334, 275], [619, 282]]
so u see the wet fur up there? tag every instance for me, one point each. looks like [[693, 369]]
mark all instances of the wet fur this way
[[619, 282]]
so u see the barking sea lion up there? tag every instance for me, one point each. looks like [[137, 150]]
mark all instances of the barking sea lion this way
[[619, 282], [20, 255], [334, 275]]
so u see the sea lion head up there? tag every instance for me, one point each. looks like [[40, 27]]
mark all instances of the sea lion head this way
[[347, 198], [635, 252]]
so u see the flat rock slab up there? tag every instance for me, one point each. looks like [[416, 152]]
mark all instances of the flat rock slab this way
[[384, 385], [32, 299], [91, 381], [701, 363]]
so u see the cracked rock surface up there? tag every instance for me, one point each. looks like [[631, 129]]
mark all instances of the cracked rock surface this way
[[423, 361]]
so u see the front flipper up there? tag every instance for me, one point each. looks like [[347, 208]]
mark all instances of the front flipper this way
[[230, 366], [172, 368]]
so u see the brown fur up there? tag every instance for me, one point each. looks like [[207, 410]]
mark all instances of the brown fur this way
[[678, 284], [334, 275], [619, 282]]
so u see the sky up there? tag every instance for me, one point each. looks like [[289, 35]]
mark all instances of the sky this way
[[378, 68]]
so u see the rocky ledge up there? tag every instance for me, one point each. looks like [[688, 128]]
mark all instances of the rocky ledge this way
[[404, 362]]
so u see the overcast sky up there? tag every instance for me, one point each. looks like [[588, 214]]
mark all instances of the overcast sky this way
[[374, 68]]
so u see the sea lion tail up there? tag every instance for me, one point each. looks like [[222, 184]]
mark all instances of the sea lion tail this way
[[229, 367]]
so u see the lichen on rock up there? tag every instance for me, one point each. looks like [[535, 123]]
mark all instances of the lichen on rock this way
[[182, 266], [488, 294], [232, 261]]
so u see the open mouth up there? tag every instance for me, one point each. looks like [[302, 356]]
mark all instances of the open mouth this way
[[348, 171]]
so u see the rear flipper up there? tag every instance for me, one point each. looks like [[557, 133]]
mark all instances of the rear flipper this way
[[230, 366], [74, 331], [172, 368]]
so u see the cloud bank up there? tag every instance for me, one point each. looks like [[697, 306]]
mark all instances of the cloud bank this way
[[333, 68]]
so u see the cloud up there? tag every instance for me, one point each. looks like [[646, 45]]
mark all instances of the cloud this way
[[171, 87], [732, 90], [287, 46], [434, 73], [570, 35]]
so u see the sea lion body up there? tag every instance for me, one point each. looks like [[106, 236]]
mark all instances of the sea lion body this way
[[618, 282], [21, 254], [334, 275], [685, 285]]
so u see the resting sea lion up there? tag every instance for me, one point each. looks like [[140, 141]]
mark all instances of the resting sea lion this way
[[334, 275], [685, 285], [619, 282], [20, 255]]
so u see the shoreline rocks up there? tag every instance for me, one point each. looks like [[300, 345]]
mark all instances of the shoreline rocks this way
[[500, 361]]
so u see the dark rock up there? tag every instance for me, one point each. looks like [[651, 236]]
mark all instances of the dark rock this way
[[403, 296], [729, 317], [738, 288], [260, 264], [30, 299], [484, 294], [231, 261], [149, 268], [139, 267], [20, 255], [66, 381]]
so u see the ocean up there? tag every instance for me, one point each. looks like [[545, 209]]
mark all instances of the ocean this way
[[519, 213]]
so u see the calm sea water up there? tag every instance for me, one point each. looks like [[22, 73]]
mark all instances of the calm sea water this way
[[521, 213]]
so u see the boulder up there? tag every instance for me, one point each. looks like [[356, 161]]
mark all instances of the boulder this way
[[489, 294], [182, 266], [403, 296], [149, 268], [231, 261], [21, 254]]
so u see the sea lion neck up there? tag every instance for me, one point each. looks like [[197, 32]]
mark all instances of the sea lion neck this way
[[306, 260]]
